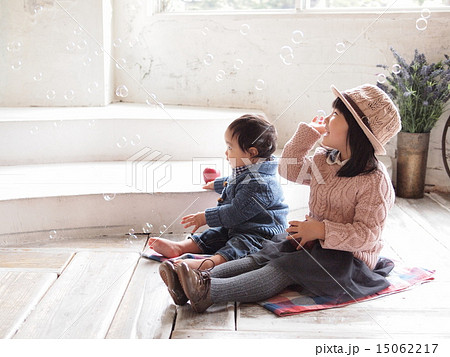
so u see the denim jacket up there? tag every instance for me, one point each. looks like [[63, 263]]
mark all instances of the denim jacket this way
[[250, 202]]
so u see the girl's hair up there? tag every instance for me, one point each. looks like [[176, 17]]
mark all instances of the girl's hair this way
[[252, 130], [362, 160]]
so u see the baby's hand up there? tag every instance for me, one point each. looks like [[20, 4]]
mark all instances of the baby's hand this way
[[318, 123], [209, 186], [197, 220]]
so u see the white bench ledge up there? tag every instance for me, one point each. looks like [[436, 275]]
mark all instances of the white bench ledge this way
[[120, 111]]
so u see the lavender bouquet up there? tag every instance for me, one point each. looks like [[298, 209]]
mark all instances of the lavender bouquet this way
[[419, 89]]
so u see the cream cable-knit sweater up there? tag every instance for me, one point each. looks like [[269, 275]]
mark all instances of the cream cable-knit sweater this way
[[354, 209]]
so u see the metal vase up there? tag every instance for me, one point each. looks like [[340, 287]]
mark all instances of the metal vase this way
[[412, 154]]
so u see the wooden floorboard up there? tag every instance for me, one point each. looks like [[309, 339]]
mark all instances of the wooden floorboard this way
[[219, 317], [84, 299], [20, 292], [105, 290], [35, 261], [147, 310]]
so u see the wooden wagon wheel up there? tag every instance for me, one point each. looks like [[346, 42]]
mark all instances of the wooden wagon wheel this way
[[445, 155]]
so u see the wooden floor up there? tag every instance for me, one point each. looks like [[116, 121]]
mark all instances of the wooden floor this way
[[102, 288]]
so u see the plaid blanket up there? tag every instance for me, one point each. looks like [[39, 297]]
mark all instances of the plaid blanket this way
[[292, 302], [151, 254]]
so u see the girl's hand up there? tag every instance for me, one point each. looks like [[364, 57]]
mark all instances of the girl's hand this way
[[209, 186], [318, 123], [305, 231], [197, 220]]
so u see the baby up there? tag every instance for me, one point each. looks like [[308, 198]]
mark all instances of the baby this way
[[250, 208]]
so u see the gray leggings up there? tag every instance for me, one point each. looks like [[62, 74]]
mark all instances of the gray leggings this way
[[244, 280]]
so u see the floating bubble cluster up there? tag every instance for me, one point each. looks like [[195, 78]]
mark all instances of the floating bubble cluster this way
[[422, 21], [147, 227]]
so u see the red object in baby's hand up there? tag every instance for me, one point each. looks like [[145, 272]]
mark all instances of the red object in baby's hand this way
[[210, 174]]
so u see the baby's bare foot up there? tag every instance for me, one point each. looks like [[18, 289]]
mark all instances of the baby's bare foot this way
[[165, 247]]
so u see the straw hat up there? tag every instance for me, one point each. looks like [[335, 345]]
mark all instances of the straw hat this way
[[374, 111]]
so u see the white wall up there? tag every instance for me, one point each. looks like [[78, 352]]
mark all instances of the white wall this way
[[164, 54], [55, 54], [170, 61]]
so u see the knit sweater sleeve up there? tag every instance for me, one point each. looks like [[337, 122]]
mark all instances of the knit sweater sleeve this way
[[374, 199], [294, 164]]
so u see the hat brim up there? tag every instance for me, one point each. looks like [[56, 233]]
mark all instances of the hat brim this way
[[379, 148]]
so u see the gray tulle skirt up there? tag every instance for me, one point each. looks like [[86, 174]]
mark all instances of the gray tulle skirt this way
[[325, 272]]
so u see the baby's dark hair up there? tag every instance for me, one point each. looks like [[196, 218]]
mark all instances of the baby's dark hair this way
[[253, 130]]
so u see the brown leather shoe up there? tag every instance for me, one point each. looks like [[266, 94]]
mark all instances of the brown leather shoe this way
[[168, 273], [196, 285]]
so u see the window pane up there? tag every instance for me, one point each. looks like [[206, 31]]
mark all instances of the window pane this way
[[318, 4], [224, 5], [243, 5]]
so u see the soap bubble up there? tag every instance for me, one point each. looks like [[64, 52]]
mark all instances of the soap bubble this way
[[92, 87], [91, 123], [340, 47], [82, 44], [260, 84], [71, 46], [58, 123], [287, 55], [381, 78], [421, 24], [52, 234], [426, 13], [147, 227], [245, 28], [16, 65], [205, 31], [122, 91], [208, 58], [37, 77], [51, 94], [117, 42], [238, 64], [321, 113], [34, 130], [37, 9], [14, 46], [297, 37], [396, 68], [109, 196], [77, 31], [69, 95], [122, 142], [135, 140], [162, 229], [133, 42], [131, 231], [87, 61], [120, 63], [220, 75]]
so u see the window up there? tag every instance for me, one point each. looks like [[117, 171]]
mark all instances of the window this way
[[292, 5]]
